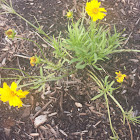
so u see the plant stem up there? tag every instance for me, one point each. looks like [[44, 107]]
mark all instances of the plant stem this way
[[123, 112], [27, 21], [125, 50], [112, 129], [51, 79], [130, 129], [37, 28]]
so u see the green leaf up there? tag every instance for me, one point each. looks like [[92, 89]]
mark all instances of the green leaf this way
[[75, 60], [80, 65], [97, 96], [95, 57], [41, 72], [97, 67], [35, 87], [41, 87]]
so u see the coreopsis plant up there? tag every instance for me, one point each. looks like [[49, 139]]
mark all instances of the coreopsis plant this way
[[12, 95], [84, 45], [106, 89]]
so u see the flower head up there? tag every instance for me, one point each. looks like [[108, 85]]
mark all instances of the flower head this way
[[12, 95], [93, 10], [69, 14], [10, 33], [120, 77], [34, 60]]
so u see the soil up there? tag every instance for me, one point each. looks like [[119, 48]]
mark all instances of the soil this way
[[71, 115]]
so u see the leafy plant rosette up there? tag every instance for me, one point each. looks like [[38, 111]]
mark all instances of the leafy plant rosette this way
[[87, 44]]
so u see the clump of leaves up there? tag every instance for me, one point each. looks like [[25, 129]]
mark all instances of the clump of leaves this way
[[88, 46]]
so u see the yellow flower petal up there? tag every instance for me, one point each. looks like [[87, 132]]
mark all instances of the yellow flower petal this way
[[5, 86], [15, 101], [13, 86], [22, 94], [102, 10], [5, 96]]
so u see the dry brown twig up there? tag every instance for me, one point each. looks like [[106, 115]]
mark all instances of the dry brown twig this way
[[43, 108]]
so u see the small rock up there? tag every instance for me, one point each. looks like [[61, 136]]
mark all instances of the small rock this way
[[124, 91], [40, 120], [31, 3], [131, 77], [78, 104], [37, 108]]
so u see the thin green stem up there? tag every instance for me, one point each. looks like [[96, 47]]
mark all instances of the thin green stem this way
[[15, 69], [26, 21], [117, 103], [125, 50], [112, 129], [4, 13], [51, 79], [118, 87], [37, 28]]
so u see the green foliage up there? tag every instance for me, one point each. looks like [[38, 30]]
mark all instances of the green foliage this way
[[104, 86], [83, 45], [88, 46], [106, 89], [131, 117]]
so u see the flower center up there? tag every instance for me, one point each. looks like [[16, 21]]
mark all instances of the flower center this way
[[69, 14], [95, 10], [13, 93], [9, 33], [34, 60], [119, 75]]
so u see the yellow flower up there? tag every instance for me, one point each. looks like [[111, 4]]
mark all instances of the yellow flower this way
[[93, 10], [120, 77], [12, 95], [10, 33], [34, 60], [69, 14]]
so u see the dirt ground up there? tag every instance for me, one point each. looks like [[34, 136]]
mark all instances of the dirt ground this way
[[71, 115]]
